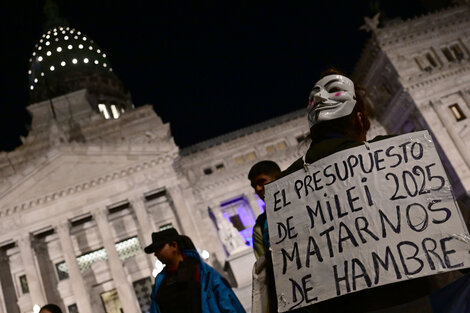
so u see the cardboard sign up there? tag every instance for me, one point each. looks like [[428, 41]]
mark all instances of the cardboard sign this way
[[364, 217]]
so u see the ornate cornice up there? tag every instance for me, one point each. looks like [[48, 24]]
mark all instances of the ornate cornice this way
[[86, 185]]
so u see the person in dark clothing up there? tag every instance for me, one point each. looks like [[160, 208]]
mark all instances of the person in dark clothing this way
[[263, 292], [338, 121], [50, 308], [187, 284], [260, 174]]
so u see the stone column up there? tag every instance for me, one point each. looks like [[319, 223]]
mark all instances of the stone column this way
[[123, 286], [32, 275], [80, 290], [143, 219], [146, 227], [190, 225], [47, 271], [7, 286]]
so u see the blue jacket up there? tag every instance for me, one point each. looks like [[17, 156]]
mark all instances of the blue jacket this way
[[216, 296]]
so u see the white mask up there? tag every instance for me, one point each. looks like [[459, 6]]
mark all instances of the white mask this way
[[332, 97]]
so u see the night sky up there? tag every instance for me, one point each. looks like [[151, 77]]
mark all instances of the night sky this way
[[208, 67]]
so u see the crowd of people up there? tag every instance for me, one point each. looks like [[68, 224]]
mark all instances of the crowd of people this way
[[338, 121]]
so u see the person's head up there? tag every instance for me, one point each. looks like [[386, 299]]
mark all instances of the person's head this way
[[335, 106], [166, 246], [261, 174], [50, 308]]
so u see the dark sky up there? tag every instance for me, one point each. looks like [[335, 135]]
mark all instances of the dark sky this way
[[208, 67]]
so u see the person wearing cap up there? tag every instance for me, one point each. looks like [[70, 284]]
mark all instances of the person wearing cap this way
[[187, 284], [338, 121]]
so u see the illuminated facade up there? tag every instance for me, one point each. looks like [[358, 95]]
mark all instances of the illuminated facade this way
[[95, 176], [417, 76]]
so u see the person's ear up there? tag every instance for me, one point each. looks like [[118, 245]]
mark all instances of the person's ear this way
[[360, 119]]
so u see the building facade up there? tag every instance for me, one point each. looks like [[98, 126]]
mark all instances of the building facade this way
[[95, 177], [417, 76]]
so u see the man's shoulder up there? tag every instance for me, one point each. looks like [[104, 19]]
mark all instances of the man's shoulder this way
[[260, 219]]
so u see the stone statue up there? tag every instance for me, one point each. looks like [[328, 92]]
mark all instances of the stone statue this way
[[228, 234]]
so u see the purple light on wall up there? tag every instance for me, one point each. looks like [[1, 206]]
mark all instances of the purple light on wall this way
[[238, 209], [246, 215]]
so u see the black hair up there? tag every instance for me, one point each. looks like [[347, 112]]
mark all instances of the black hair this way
[[51, 308], [266, 167], [346, 125]]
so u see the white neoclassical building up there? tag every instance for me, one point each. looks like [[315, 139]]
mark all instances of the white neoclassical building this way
[[95, 177], [416, 74]]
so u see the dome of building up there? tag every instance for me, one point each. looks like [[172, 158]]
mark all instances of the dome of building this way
[[66, 60]]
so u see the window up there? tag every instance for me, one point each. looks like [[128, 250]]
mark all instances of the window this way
[[143, 291], [270, 149], [62, 270], [115, 111], [125, 249], [85, 261], [251, 156], [240, 214], [118, 207], [72, 308], [239, 159], [128, 248], [458, 53], [155, 194], [453, 53], [248, 157], [237, 222], [282, 145], [448, 54], [207, 171], [81, 220], [431, 59], [301, 138], [426, 61], [24, 284], [457, 112]]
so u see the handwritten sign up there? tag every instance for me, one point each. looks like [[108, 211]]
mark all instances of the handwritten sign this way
[[361, 218]]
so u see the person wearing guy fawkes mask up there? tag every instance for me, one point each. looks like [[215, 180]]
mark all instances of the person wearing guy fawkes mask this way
[[338, 121]]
